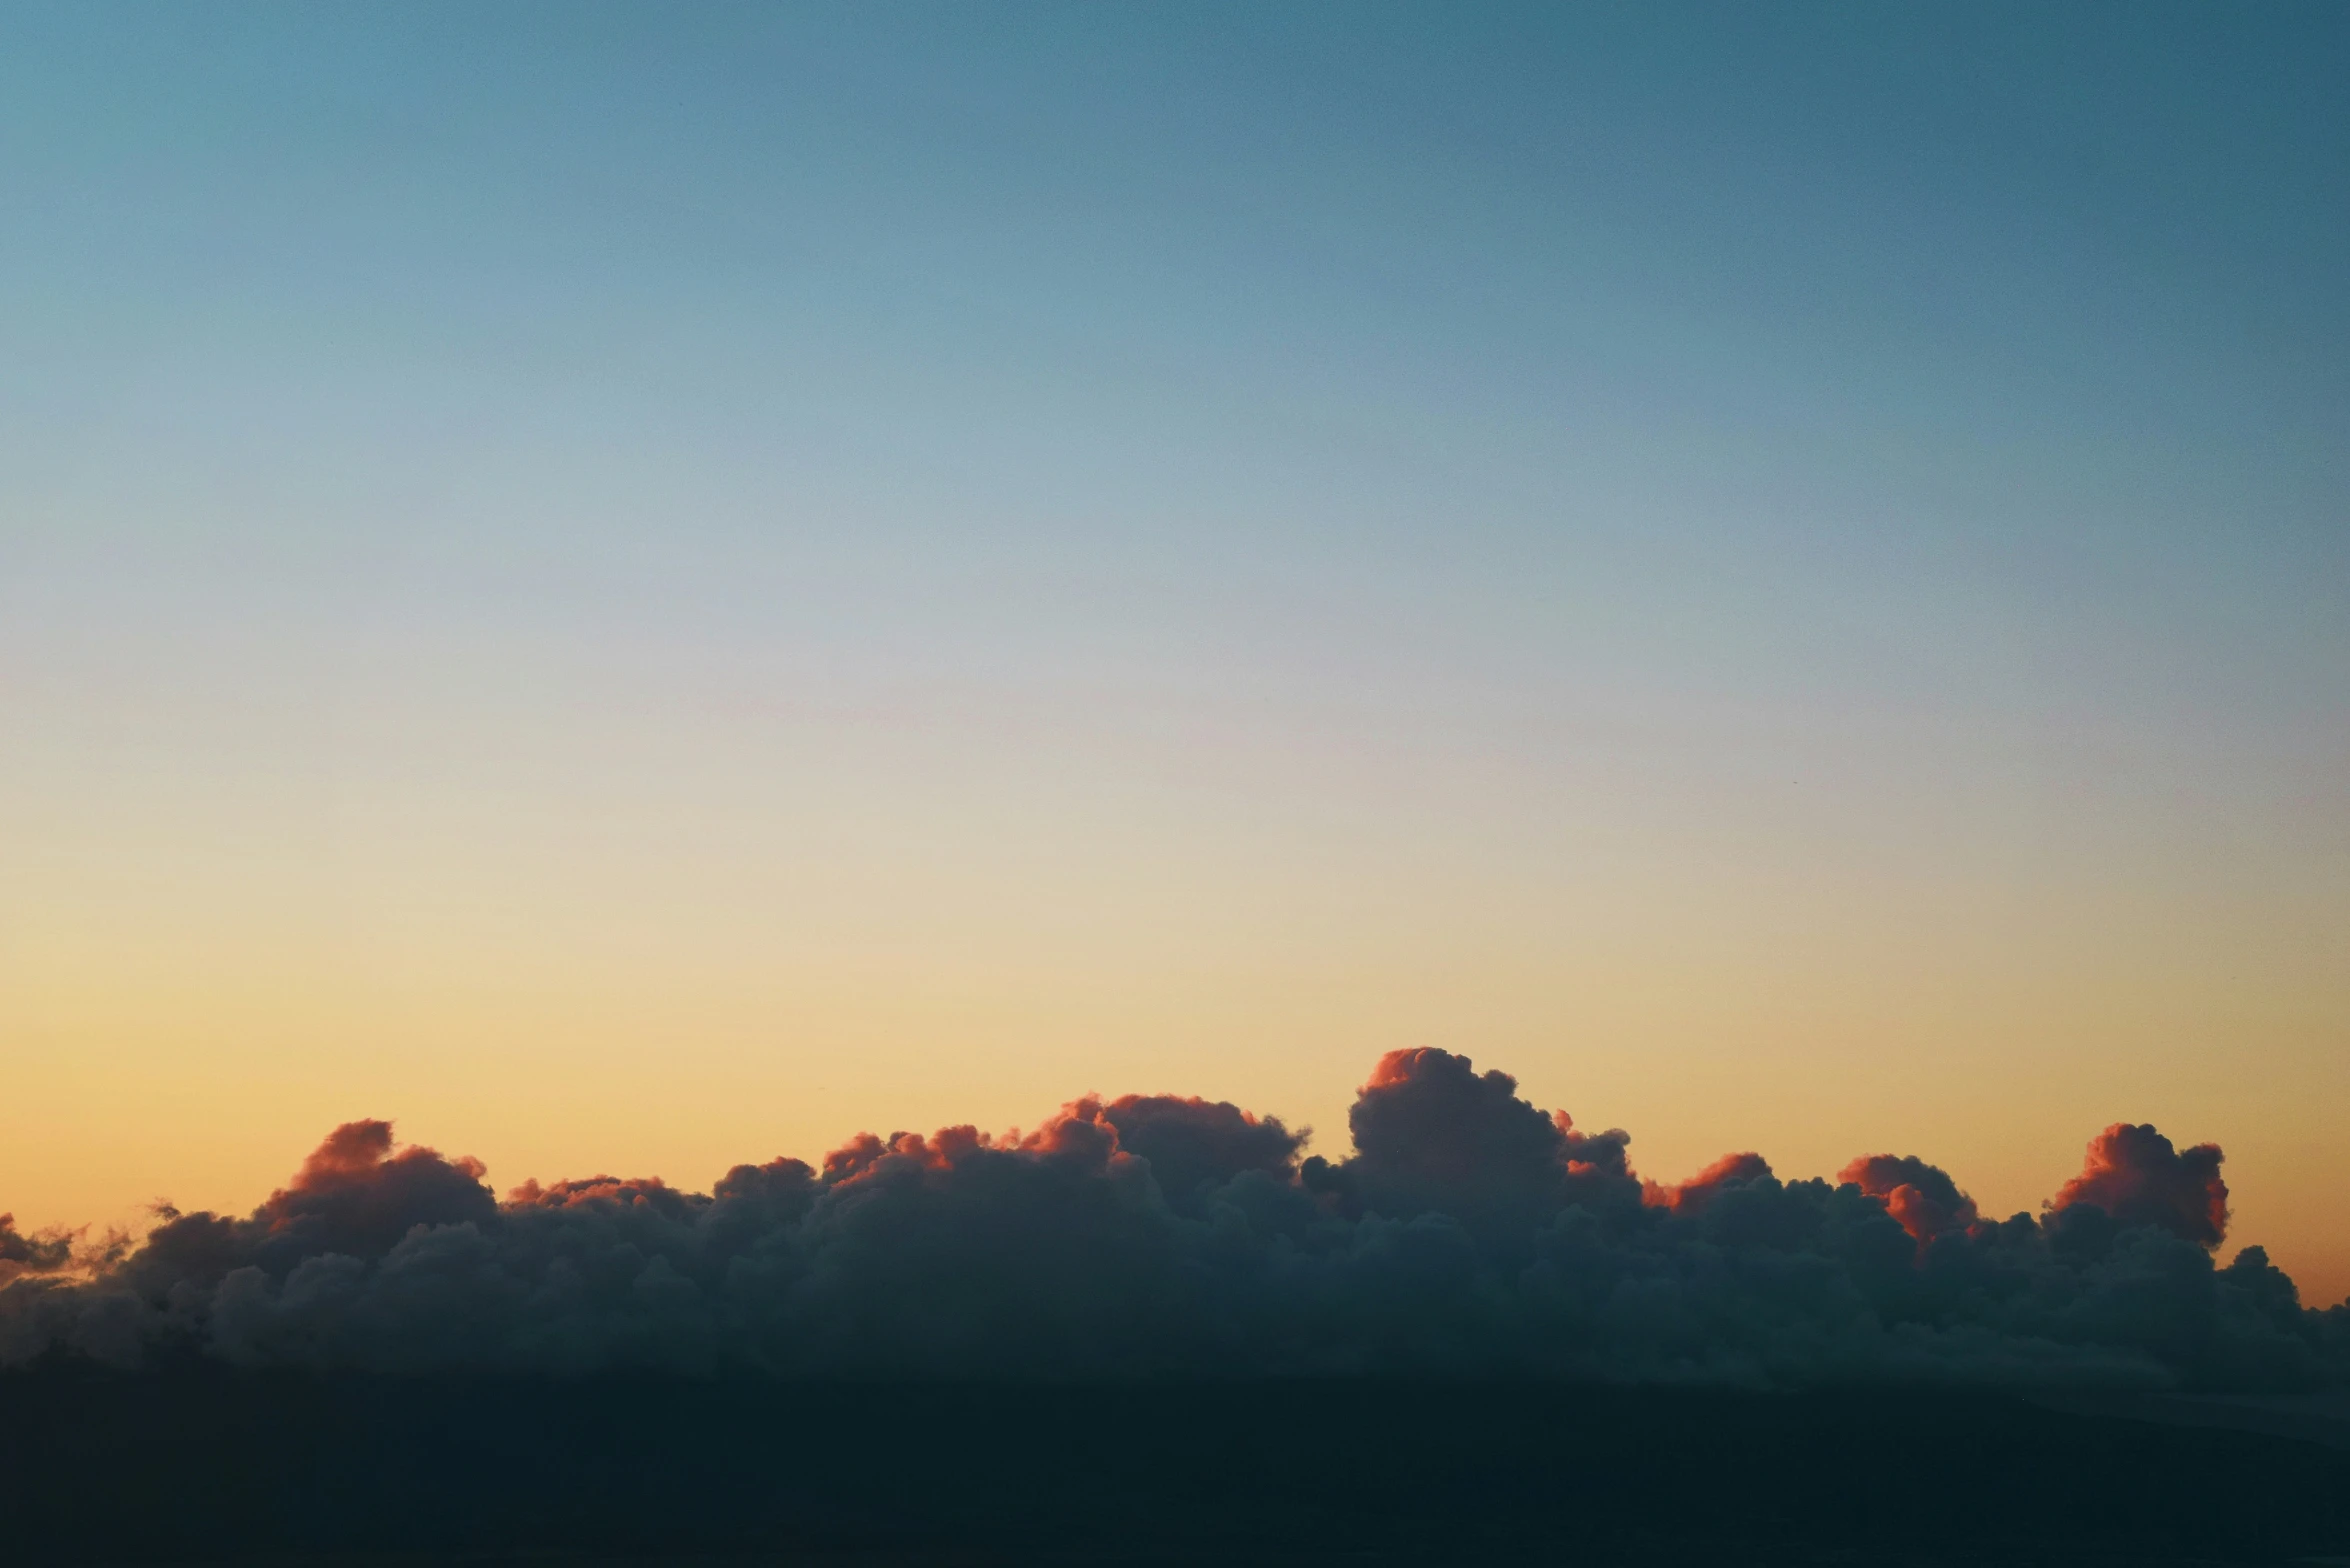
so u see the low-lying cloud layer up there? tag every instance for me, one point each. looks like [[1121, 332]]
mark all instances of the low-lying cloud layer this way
[[1470, 1234]]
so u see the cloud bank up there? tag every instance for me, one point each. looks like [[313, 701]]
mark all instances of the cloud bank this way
[[1470, 1234]]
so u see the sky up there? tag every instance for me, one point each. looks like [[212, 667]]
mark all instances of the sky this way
[[634, 588]]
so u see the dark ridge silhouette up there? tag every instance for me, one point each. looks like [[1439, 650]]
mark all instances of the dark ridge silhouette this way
[[204, 1464]]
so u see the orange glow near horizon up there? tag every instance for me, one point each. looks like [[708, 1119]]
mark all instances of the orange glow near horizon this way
[[94, 1134], [746, 575]]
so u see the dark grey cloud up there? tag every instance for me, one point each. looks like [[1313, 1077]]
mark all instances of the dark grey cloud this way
[[1730, 1172], [22, 1254], [1469, 1233]]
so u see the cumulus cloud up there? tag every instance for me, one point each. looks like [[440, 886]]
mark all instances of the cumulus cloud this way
[[1468, 1233], [1432, 1135], [2137, 1178], [1196, 1146], [1922, 1197], [1692, 1196]]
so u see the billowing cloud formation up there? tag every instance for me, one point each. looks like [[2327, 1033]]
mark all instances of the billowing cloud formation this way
[[1691, 1196], [1433, 1136], [1197, 1146], [1922, 1197], [2137, 1178], [1468, 1234]]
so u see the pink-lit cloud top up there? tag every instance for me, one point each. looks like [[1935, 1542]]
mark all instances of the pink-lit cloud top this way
[[1470, 1233]]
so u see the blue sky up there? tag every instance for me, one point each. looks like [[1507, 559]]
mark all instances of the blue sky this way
[[1352, 502]]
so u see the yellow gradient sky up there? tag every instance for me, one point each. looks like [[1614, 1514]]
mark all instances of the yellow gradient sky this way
[[654, 595]]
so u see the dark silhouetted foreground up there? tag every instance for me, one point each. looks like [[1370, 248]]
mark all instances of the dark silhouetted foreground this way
[[213, 1464]]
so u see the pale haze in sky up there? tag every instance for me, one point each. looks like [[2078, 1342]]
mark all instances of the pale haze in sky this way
[[638, 588]]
